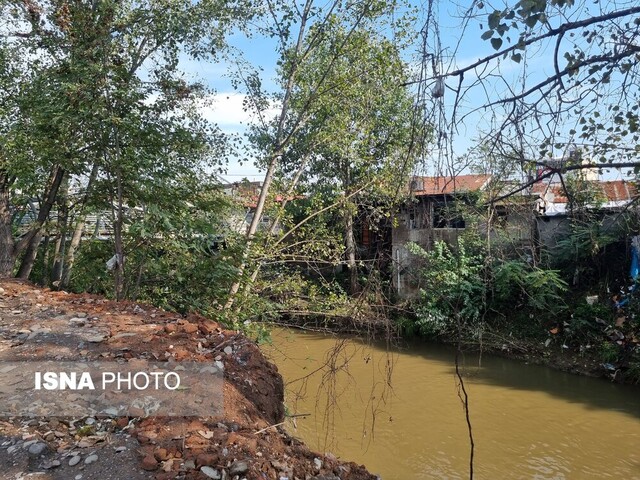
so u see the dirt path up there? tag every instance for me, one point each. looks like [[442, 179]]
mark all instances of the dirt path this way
[[38, 324]]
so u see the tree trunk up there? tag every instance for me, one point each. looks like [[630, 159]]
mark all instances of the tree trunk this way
[[276, 220], [29, 242], [7, 251], [77, 232], [350, 252], [45, 260], [61, 244], [71, 252], [277, 150], [58, 259], [30, 255], [253, 227], [119, 246]]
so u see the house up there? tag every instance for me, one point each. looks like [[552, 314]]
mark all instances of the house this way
[[430, 216], [606, 199], [518, 226], [245, 195]]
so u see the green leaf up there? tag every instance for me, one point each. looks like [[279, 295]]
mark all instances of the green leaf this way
[[531, 21], [494, 19], [516, 57], [487, 35], [496, 43]]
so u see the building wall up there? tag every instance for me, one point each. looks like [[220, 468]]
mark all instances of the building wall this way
[[514, 235], [552, 229], [414, 224]]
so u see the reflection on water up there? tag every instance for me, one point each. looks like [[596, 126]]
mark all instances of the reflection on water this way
[[529, 422]]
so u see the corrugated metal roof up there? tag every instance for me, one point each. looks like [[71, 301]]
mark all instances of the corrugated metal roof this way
[[609, 191]]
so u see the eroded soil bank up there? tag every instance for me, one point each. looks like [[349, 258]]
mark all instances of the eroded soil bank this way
[[246, 442]]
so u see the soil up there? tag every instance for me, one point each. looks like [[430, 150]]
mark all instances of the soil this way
[[245, 442]]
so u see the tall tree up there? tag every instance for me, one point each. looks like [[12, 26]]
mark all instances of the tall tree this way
[[108, 93], [298, 31], [363, 134]]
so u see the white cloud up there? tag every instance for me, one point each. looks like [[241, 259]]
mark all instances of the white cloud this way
[[226, 109]]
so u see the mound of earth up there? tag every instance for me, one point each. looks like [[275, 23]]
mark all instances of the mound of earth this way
[[246, 442]]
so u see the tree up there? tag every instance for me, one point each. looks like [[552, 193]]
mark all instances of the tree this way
[[563, 75], [359, 137], [91, 104], [297, 50]]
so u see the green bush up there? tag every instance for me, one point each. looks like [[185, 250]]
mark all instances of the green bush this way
[[454, 289], [518, 284], [583, 324], [461, 288]]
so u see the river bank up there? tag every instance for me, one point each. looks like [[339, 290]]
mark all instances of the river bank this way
[[247, 441], [549, 347]]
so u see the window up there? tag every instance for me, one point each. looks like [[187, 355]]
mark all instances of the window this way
[[446, 216]]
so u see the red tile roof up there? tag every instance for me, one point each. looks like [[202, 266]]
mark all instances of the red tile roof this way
[[421, 186]]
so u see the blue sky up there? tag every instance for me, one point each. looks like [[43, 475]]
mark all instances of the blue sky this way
[[459, 45]]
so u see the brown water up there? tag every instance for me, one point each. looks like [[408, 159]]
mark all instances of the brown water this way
[[529, 422]]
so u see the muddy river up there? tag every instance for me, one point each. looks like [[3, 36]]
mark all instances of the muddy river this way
[[397, 411]]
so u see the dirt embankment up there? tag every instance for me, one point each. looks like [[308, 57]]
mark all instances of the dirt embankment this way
[[246, 442]]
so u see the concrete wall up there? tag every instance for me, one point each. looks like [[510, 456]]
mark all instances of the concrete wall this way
[[513, 236], [552, 229]]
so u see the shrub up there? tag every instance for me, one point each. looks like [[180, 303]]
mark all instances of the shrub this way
[[461, 287], [454, 288]]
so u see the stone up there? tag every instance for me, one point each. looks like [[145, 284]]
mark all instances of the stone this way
[[122, 422], [12, 449], [86, 443], [149, 463], [52, 464], [228, 350], [208, 327], [136, 412], [120, 449], [206, 459], [37, 448], [170, 328], [96, 338], [318, 463], [161, 454], [73, 461], [189, 328], [90, 459], [238, 468], [125, 335], [211, 472], [167, 466]]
